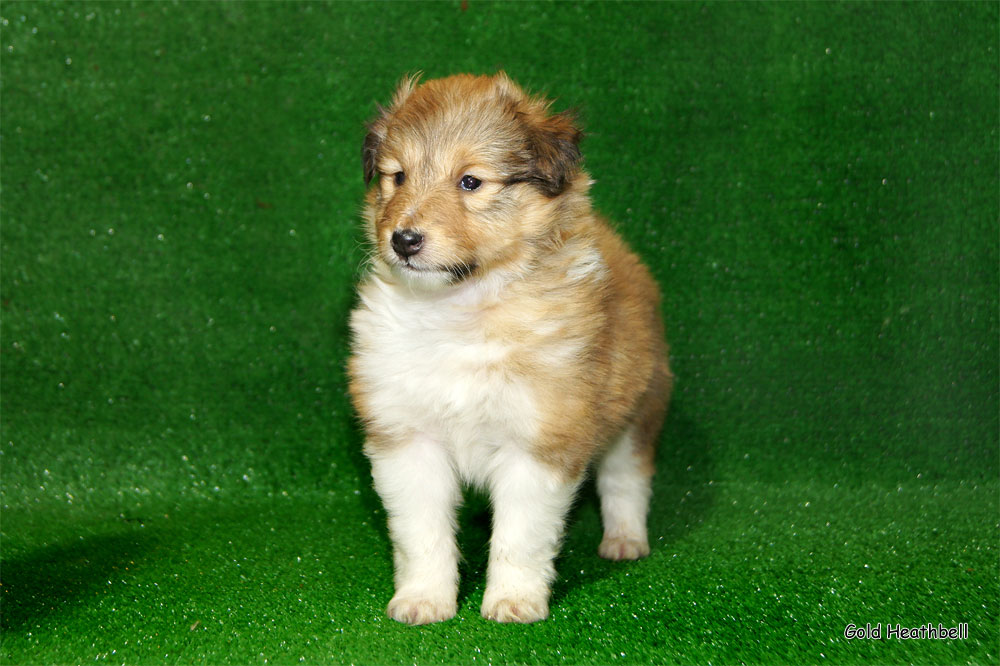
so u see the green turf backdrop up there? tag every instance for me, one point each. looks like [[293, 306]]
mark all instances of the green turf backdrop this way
[[814, 185]]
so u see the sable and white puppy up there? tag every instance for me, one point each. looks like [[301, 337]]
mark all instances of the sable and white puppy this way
[[505, 337]]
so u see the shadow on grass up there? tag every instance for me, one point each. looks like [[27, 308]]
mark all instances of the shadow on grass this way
[[51, 580], [475, 526]]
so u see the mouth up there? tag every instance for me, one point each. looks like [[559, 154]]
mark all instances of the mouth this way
[[461, 270], [456, 272]]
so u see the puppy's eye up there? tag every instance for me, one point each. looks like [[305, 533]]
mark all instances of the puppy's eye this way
[[469, 183], [399, 178]]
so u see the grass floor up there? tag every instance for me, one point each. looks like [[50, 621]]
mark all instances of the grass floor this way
[[814, 185]]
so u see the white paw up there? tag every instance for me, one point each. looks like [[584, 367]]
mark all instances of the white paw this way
[[515, 609], [412, 609], [623, 548]]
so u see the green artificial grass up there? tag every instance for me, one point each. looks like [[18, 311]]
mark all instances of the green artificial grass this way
[[813, 184]]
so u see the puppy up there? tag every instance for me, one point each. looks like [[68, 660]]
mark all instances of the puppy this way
[[504, 337]]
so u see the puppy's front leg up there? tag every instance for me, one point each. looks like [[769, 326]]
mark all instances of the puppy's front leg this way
[[420, 492], [530, 502]]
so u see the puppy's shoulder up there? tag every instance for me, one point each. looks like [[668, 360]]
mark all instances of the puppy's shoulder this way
[[629, 276]]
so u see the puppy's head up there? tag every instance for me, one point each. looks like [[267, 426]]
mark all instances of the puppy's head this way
[[470, 172]]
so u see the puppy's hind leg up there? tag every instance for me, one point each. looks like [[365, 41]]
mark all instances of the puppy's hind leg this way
[[421, 493], [624, 477], [623, 483]]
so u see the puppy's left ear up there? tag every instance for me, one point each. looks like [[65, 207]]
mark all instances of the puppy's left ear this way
[[554, 142], [377, 127]]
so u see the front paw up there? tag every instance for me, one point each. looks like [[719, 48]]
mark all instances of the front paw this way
[[517, 608], [414, 609]]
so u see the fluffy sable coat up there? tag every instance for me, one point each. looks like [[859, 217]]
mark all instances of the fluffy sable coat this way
[[505, 337]]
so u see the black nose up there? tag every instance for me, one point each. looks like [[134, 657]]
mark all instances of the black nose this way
[[407, 242]]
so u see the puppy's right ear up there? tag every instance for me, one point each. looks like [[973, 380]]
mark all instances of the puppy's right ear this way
[[369, 149], [377, 127]]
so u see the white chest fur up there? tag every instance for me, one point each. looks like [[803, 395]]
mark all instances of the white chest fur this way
[[430, 371]]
